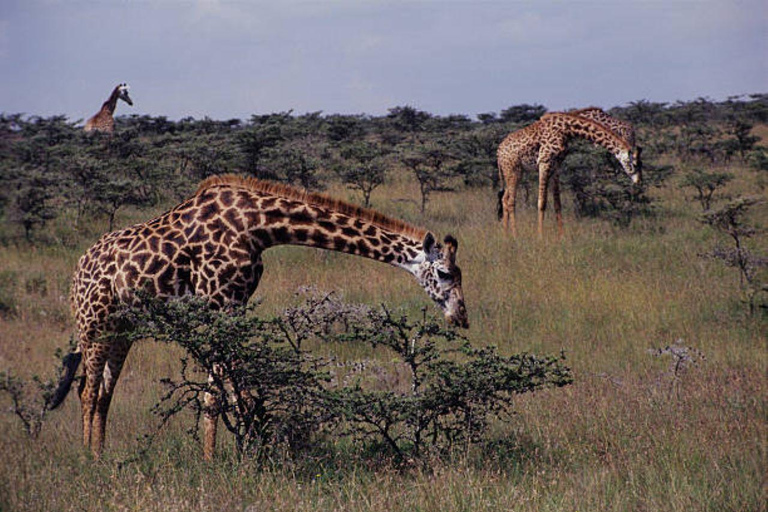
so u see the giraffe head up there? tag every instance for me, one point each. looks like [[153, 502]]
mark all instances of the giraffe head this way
[[122, 93], [630, 162], [440, 277]]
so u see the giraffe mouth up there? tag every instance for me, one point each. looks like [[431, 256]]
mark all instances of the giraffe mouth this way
[[458, 321]]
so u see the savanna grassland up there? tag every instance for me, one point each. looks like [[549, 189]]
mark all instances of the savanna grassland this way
[[633, 432]]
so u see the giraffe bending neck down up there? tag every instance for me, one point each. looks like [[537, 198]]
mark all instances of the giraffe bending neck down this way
[[542, 146], [103, 120], [210, 245]]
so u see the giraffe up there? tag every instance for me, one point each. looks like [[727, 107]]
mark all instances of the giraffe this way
[[543, 145], [210, 245], [103, 120]]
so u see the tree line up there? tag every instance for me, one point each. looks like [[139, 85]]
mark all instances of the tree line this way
[[50, 167]]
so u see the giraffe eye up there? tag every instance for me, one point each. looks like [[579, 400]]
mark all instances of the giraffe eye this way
[[445, 276]]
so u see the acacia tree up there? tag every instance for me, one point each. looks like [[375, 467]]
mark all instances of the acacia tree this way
[[286, 397], [263, 133], [524, 113], [730, 220], [476, 155], [705, 184], [33, 200], [292, 164], [363, 167], [429, 164], [408, 120]]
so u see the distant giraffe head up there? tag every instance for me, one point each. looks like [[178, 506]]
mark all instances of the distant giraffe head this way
[[440, 277], [122, 93]]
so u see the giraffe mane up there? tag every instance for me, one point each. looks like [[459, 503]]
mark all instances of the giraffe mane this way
[[584, 110], [314, 199]]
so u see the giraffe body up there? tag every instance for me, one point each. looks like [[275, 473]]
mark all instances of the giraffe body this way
[[210, 245], [541, 147], [103, 120]]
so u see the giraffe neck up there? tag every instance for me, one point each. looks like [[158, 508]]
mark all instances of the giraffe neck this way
[[575, 126], [110, 105], [618, 126], [267, 220], [324, 229]]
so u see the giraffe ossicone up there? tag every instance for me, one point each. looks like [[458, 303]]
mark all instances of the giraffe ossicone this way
[[210, 245]]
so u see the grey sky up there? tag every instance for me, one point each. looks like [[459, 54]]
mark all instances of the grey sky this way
[[225, 59]]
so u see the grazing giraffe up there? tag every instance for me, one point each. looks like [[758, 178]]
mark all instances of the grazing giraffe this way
[[542, 145], [210, 245], [103, 120]]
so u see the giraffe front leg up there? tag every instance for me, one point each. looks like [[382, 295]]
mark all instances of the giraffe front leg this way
[[558, 204], [544, 169], [509, 200], [210, 420]]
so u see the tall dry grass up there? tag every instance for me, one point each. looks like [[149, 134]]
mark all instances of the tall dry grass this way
[[629, 434]]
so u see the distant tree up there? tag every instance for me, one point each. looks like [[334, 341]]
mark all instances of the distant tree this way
[[488, 118], [408, 120], [644, 112], [705, 184], [32, 199], [429, 164], [698, 141], [522, 114], [363, 167], [263, 134], [206, 155], [293, 165], [475, 153], [340, 128], [730, 220], [758, 160], [743, 141], [451, 125]]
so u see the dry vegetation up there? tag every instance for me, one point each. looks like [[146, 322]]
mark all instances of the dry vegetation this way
[[629, 434]]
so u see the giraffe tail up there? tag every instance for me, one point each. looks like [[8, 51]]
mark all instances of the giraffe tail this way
[[499, 204], [70, 363]]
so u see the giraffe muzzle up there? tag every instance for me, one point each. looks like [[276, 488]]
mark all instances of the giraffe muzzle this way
[[456, 314]]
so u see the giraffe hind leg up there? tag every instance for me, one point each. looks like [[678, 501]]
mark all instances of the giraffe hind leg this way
[[89, 392], [111, 373]]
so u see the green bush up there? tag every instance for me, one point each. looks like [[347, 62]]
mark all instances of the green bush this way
[[434, 392]]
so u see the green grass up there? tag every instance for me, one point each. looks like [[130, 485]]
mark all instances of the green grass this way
[[617, 439]]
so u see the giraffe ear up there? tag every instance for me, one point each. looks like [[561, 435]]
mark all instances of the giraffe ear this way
[[451, 243], [451, 246], [428, 243]]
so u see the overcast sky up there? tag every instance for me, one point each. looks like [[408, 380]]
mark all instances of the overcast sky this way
[[231, 59]]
